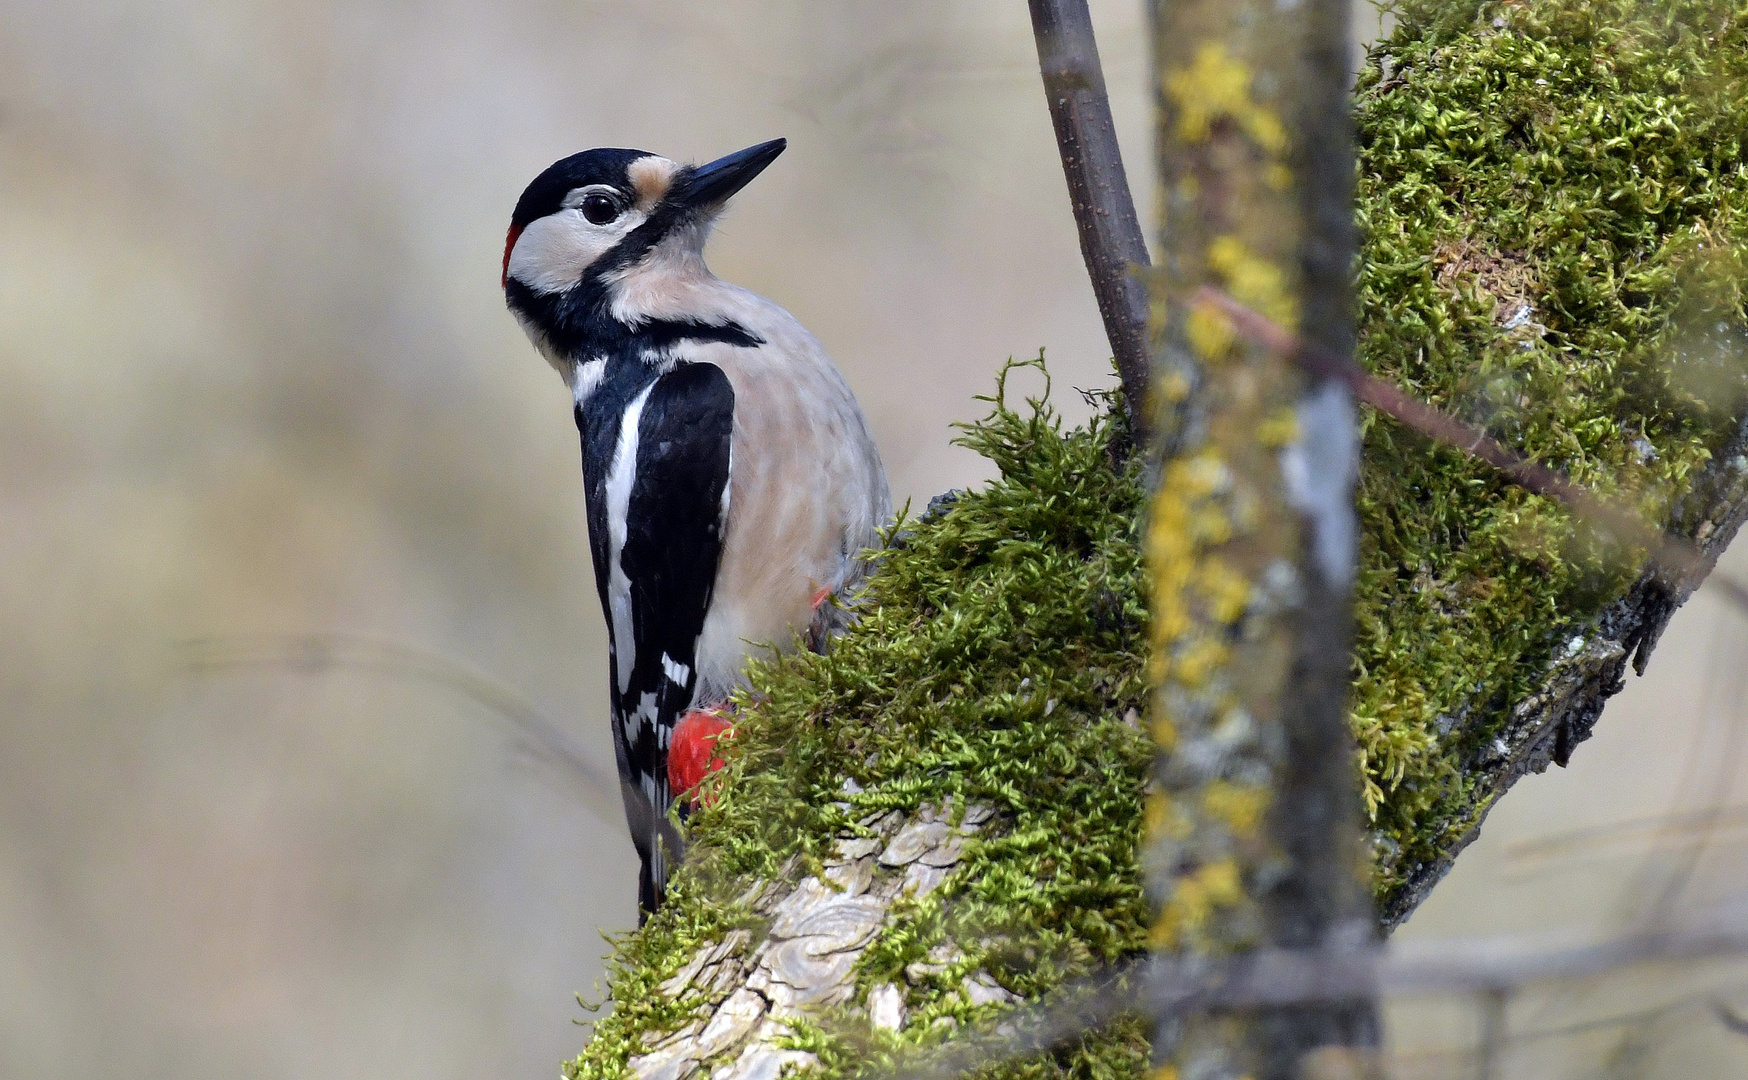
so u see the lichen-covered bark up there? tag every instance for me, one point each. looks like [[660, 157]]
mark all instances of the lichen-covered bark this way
[[1554, 220], [1587, 669], [750, 1000], [1252, 539]]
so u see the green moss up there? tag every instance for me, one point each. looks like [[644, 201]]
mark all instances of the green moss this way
[[998, 660], [1552, 207], [1544, 189]]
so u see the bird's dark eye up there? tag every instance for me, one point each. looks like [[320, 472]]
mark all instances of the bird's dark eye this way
[[599, 209]]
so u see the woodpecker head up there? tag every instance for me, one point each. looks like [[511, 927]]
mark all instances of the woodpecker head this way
[[601, 234]]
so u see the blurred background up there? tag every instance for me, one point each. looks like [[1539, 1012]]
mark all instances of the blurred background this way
[[257, 383]]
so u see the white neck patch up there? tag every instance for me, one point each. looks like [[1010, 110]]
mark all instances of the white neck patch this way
[[587, 377]]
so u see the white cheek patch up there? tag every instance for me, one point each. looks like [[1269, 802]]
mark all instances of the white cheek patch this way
[[553, 252]]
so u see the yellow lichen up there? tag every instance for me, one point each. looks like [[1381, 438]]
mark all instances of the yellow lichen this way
[[1279, 429], [1227, 591], [1194, 900], [1254, 280], [1209, 332], [1241, 807], [1197, 660], [1217, 85]]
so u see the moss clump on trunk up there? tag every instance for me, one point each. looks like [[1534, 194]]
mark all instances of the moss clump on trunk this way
[[1555, 210]]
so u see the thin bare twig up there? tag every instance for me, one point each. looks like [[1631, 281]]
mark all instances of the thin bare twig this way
[[1651, 830], [1711, 996], [1277, 976], [1493, 1037], [1264, 978], [326, 650], [1104, 213], [1670, 554]]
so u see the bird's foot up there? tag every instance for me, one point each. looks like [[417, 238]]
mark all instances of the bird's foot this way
[[819, 629]]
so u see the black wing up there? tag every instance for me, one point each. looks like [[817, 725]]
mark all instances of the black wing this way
[[661, 512]]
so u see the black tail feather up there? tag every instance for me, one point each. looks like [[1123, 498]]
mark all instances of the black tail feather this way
[[651, 884], [659, 848]]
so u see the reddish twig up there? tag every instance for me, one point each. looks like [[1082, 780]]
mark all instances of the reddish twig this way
[[1670, 554]]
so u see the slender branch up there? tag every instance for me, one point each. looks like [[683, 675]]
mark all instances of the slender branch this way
[[1671, 554], [1708, 997], [319, 651], [1098, 189], [1285, 976], [1264, 978]]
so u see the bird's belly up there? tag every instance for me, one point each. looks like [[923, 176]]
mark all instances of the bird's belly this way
[[806, 494]]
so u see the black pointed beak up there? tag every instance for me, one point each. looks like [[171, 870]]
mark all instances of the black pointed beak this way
[[712, 184]]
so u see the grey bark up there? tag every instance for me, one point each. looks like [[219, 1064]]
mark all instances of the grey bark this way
[[745, 993], [1545, 727]]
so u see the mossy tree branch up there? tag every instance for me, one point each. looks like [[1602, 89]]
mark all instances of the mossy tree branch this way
[[943, 814], [1582, 319]]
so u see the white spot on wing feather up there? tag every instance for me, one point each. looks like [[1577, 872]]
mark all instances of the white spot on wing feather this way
[[676, 672]]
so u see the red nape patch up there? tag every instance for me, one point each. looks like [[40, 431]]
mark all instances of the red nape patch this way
[[509, 246], [692, 749]]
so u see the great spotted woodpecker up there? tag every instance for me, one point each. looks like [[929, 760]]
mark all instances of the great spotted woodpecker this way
[[730, 479]]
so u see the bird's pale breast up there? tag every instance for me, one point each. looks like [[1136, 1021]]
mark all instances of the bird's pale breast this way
[[807, 492]]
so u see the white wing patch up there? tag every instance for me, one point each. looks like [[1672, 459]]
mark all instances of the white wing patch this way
[[645, 713], [619, 480]]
